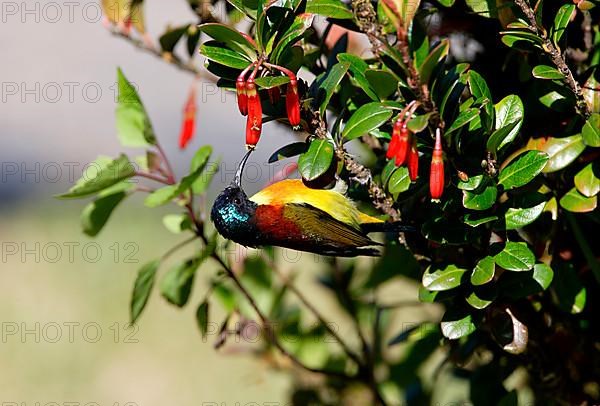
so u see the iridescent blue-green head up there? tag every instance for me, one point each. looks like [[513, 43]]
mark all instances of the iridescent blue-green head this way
[[232, 213]]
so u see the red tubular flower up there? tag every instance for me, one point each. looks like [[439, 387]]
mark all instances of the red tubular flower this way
[[436, 171], [274, 94], [242, 99], [393, 147], [189, 119], [292, 101], [403, 144], [413, 161], [254, 121]]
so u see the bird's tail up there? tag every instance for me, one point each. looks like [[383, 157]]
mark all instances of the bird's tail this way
[[396, 226]]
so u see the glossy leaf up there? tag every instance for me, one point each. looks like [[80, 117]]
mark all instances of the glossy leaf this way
[[547, 72], [382, 82], [142, 288], [331, 81], [269, 82], [483, 271], [575, 202], [562, 151], [230, 37], [439, 279], [315, 162], [523, 169], [436, 55], [464, 118], [328, 8], [561, 21], [591, 131], [480, 200], [480, 90], [477, 219], [515, 256], [509, 110], [215, 52], [587, 181], [367, 118], [472, 183], [520, 217], [456, 324], [399, 181]]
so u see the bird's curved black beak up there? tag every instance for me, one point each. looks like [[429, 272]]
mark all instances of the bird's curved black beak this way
[[237, 180]]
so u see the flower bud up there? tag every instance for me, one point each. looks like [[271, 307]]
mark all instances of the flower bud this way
[[413, 161], [254, 120], [436, 171], [189, 119], [292, 101], [393, 146]]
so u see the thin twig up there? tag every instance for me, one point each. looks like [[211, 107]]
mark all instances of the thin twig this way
[[153, 177], [556, 57], [317, 314]]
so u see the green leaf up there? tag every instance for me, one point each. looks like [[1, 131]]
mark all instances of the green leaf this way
[[176, 285], [133, 125], [96, 214], [438, 279], [498, 136], [480, 199], [546, 72], [108, 173], [591, 131], [418, 123], [387, 172], [456, 324], [382, 82], [509, 110], [329, 8], [331, 81], [515, 256], [512, 38], [231, 38], [523, 169], [483, 8], [480, 301], [480, 90], [358, 67], [483, 271], [216, 52], [561, 21], [575, 202], [399, 181], [199, 165], [587, 182], [176, 223], [520, 217], [142, 288], [476, 219], [543, 275], [293, 34], [288, 151], [562, 151], [471, 184], [433, 59], [590, 91], [367, 118], [317, 160], [464, 118], [202, 318], [401, 12], [269, 82]]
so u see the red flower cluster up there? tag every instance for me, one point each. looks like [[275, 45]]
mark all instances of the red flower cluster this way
[[403, 150], [249, 103]]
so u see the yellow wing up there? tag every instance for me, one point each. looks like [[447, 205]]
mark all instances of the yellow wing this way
[[334, 203]]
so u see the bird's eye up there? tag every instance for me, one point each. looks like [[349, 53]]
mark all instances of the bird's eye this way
[[236, 201]]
